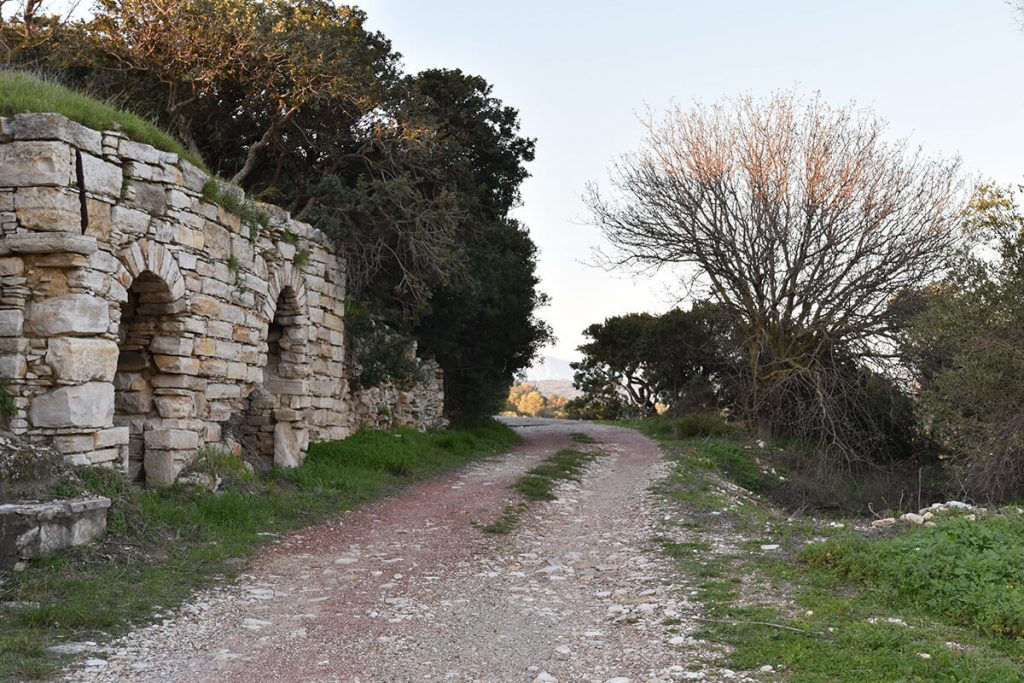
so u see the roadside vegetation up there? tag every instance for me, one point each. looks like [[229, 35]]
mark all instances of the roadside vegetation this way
[[161, 546], [821, 595]]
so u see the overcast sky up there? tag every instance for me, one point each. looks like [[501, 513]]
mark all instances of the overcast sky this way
[[948, 73]]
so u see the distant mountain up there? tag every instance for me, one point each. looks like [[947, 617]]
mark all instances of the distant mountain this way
[[551, 387], [548, 368]]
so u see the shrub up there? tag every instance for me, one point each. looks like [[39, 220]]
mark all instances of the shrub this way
[[968, 571], [689, 426]]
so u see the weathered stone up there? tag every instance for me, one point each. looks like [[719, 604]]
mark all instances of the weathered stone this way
[[52, 209], [178, 407], [30, 530], [101, 177], [85, 405], [161, 467], [11, 323], [77, 359], [13, 367], [71, 314], [115, 436], [47, 126], [290, 444], [53, 243], [171, 439], [33, 164]]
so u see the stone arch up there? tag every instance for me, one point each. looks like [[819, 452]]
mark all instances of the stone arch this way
[[146, 255], [151, 356], [287, 278], [276, 407]]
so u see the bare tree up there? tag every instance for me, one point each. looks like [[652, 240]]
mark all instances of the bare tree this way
[[804, 223]]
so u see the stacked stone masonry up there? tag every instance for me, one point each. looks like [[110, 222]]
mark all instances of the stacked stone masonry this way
[[140, 321]]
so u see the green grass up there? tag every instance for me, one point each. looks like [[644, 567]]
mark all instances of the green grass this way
[[22, 92], [163, 545], [580, 437], [971, 573], [807, 609], [238, 204], [538, 484]]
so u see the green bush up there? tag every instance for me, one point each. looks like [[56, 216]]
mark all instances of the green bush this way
[[689, 426], [970, 572]]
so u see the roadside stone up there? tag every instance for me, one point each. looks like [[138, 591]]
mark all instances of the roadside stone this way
[[883, 523]]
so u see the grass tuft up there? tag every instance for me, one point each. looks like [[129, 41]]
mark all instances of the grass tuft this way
[[22, 92]]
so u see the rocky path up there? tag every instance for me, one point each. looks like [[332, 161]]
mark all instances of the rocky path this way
[[407, 589]]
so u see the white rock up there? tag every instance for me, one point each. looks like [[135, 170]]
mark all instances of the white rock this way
[[770, 546], [84, 405], [884, 522], [545, 677], [913, 518], [71, 314]]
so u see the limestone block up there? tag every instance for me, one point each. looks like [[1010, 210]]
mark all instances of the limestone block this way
[[11, 323], [52, 209], [150, 197], [27, 164], [129, 220], [70, 314], [179, 365], [139, 152], [193, 177], [101, 177], [29, 530], [75, 443], [52, 243], [13, 367], [162, 467], [171, 439], [222, 391], [134, 402], [115, 436], [85, 405], [104, 456], [290, 444], [100, 224], [77, 359], [46, 126], [11, 265], [172, 346], [175, 407]]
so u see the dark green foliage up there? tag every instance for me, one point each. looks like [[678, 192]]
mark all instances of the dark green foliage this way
[[483, 331], [634, 362], [162, 545], [968, 348], [689, 426], [378, 353], [969, 572], [8, 408]]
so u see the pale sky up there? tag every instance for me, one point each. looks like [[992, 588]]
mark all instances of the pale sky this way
[[947, 73]]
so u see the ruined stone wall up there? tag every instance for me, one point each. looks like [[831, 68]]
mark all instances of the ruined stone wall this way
[[420, 405], [140, 320]]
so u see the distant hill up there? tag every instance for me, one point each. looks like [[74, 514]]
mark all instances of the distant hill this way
[[551, 387], [549, 369]]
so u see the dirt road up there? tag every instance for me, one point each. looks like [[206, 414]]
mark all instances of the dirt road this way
[[408, 589]]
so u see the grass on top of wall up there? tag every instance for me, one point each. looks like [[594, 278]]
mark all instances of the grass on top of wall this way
[[163, 545], [22, 92]]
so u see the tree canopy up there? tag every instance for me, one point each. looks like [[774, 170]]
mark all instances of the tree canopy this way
[[303, 106]]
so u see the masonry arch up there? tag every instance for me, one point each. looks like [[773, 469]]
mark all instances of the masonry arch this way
[[151, 353], [276, 408]]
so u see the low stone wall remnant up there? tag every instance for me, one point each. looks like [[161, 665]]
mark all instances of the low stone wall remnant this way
[[140, 320]]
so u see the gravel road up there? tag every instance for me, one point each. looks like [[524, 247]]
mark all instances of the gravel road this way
[[408, 589]]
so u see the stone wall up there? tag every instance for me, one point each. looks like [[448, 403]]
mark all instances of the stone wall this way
[[388, 406], [140, 320]]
